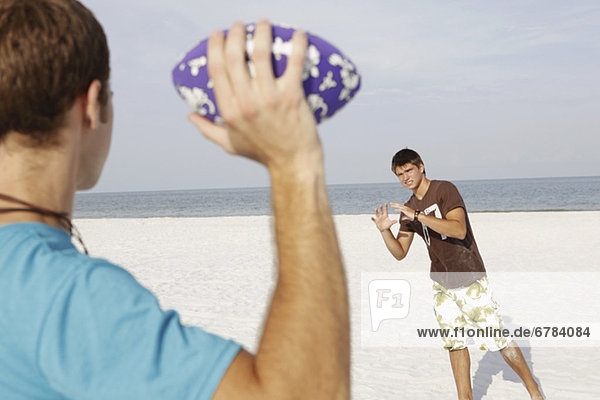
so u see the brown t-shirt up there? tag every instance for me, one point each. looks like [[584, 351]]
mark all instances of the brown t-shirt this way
[[454, 262]]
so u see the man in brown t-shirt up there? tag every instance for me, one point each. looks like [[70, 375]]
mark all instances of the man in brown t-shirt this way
[[437, 213]]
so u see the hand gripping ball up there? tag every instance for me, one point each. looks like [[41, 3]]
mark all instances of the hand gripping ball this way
[[330, 79]]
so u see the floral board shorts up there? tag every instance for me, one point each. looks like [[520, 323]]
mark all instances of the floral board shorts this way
[[469, 313]]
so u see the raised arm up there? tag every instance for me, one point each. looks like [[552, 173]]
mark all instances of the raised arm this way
[[453, 225], [304, 349], [397, 246]]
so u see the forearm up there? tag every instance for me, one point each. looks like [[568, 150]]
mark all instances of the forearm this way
[[304, 349], [450, 228], [393, 245]]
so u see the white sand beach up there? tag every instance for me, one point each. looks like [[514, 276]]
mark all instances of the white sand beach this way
[[544, 267]]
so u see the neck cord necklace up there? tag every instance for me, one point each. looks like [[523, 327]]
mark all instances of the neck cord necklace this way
[[63, 217]]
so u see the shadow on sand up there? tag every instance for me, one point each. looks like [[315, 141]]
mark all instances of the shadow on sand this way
[[493, 364]]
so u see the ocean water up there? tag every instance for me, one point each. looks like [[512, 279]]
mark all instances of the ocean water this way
[[536, 194]]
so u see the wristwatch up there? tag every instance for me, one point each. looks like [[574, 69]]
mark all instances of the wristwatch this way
[[417, 213]]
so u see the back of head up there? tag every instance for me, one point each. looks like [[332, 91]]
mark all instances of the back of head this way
[[406, 156], [50, 52]]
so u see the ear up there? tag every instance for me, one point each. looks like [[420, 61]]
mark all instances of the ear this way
[[92, 105]]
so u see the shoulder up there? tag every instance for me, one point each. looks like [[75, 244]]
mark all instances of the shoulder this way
[[38, 262], [448, 196], [103, 314], [445, 188], [102, 285], [42, 244], [444, 184], [41, 264]]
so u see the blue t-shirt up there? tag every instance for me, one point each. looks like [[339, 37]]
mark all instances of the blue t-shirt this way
[[76, 327]]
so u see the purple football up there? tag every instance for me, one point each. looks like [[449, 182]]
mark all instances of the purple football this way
[[330, 80]]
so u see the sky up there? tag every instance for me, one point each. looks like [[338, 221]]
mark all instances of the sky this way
[[481, 89]]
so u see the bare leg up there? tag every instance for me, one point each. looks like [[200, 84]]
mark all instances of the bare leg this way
[[461, 367], [514, 358]]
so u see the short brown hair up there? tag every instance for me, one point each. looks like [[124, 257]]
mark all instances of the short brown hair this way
[[50, 52], [406, 156]]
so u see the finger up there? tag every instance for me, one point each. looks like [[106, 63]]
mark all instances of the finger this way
[[376, 212], [218, 72], [261, 56], [386, 208], [295, 61], [212, 131], [237, 68]]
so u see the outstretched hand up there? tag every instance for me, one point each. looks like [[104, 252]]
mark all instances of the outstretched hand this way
[[266, 119], [382, 219], [406, 213]]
